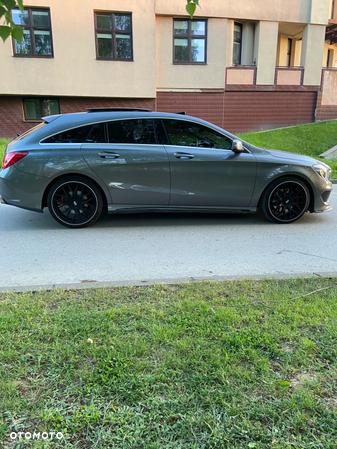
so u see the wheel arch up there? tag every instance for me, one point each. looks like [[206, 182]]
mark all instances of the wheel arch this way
[[296, 176], [65, 175]]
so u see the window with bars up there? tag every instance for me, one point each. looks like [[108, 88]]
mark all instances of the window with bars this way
[[37, 37], [113, 36], [189, 41]]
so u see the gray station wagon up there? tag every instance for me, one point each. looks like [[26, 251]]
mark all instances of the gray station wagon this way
[[140, 161]]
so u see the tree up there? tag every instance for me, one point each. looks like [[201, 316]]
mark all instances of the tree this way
[[191, 7], [9, 27]]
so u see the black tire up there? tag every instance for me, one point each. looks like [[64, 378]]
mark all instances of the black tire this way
[[285, 200], [75, 202]]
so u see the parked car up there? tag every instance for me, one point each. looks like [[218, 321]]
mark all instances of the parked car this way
[[139, 161]]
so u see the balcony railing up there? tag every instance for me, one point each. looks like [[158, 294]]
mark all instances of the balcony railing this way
[[246, 76], [289, 76], [241, 75]]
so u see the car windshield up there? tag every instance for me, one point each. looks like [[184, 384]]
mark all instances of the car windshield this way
[[26, 134]]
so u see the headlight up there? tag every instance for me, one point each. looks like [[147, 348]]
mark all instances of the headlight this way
[[323, 170]]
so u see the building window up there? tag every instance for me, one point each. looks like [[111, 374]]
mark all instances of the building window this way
[[330, 58], [332, 9], [37, 38], [290, 43], [237, 43], [36, 108], [113, 36], [189, 41]]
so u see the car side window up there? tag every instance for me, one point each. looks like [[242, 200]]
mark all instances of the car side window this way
[[83, 134], [185, 133], [135, 131]]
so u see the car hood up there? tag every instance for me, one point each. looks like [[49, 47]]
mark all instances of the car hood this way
[[292, 156]]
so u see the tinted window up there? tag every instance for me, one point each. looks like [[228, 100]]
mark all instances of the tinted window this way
[[184, 133], [132, 131], [84, 134]]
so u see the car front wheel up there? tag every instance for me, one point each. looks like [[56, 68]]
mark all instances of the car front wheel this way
[[75, 202], [285, 200]]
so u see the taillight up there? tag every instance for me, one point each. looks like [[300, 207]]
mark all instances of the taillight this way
[[13, 158]]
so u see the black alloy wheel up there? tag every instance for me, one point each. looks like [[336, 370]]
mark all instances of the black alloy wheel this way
[[285, 200], [75, 202]]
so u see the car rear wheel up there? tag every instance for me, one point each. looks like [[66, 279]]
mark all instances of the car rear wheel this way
[[285, 200], [75, 202]]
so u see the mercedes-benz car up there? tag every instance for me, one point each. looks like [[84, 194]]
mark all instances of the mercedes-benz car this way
[[140, 161]]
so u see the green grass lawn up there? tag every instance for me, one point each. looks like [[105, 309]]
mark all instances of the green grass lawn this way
[[3, 143], [235, 365], [311, 140]]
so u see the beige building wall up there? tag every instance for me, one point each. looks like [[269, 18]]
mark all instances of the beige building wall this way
[[319, 13], [277, 10], [260, 42], [266, 38], [74, 70], [172, 76], [312, 54]]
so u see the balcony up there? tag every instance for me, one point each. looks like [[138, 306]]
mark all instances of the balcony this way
[[244, 77], [289, 76], [241, 75]]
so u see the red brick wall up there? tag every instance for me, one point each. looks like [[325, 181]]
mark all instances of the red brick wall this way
[[236, 111], [76, 104], [240, 111], [12, 119], [207, 106], [325, 112]]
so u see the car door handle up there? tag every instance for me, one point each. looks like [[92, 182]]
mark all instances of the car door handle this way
[[184, 156], [107, 155]]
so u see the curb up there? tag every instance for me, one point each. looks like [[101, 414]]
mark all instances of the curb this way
[[138, 283]]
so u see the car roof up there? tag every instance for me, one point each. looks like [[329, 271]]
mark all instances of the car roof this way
[[62, 122], [97, 116]]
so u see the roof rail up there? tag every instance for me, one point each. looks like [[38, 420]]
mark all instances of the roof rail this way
[[117, 109]]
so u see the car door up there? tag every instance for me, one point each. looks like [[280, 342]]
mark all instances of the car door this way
[[132, 164], [204, 169]]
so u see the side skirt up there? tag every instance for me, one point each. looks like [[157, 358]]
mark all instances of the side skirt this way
[[122, 208]]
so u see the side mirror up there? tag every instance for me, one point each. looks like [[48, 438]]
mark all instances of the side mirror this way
[[237, 146]]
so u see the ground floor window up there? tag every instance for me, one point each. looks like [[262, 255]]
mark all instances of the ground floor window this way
[[36, 108]]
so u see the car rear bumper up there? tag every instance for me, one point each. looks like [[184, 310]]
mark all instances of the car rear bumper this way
[[25, 192]]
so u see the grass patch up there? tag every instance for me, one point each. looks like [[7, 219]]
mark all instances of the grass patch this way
[[3, 143], [311, 140], [241, 364]]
